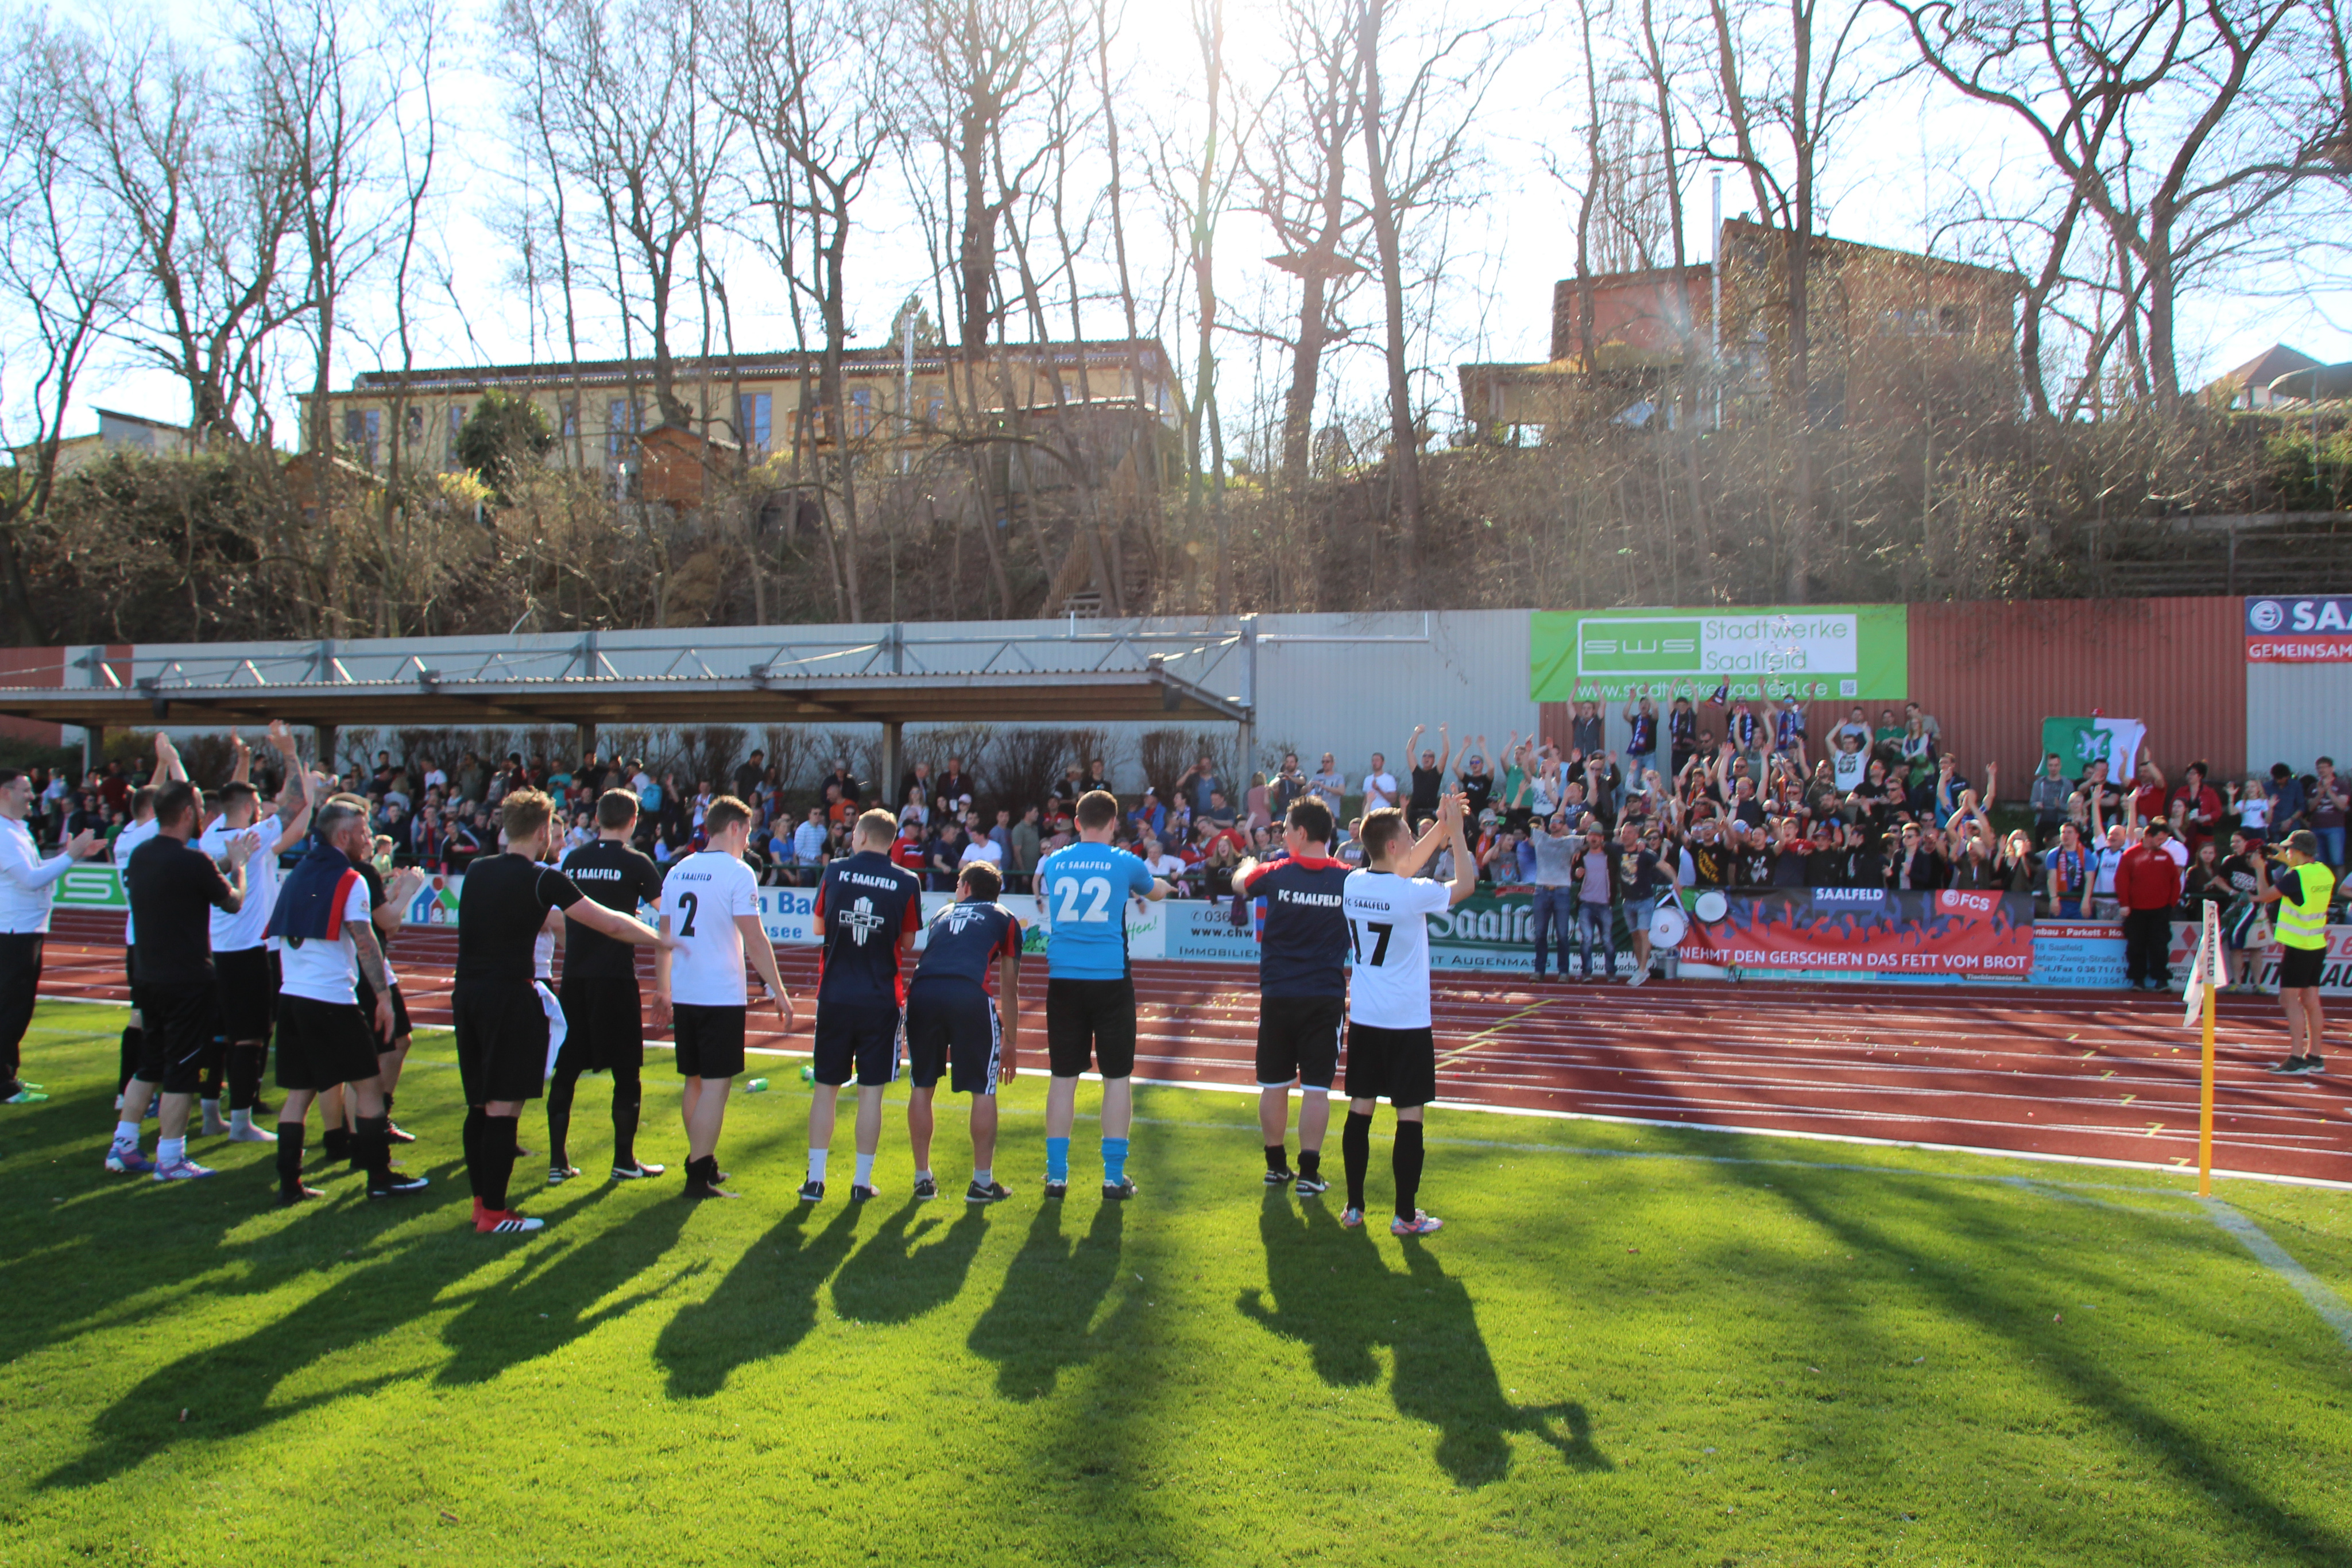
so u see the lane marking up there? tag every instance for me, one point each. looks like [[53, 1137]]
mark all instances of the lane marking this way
[[2302, 1281]]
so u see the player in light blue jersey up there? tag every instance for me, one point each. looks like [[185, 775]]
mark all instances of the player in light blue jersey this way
[[1083, 891]]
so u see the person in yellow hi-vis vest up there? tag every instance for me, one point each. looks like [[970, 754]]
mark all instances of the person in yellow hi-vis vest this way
[[2301, 890]]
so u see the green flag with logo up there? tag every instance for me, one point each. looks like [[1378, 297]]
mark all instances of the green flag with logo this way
[[2079, 742]]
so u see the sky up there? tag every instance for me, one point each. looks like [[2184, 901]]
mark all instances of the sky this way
[[1905, 157]]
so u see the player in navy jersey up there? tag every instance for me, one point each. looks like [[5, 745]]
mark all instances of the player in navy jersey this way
[[868, 913], [1302, 980], [953, 1028], [1082, 895]]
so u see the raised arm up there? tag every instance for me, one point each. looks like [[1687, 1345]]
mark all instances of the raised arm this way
[[1445, 753], [242, 772], [1454, 811], [294, 795], [167, 758]]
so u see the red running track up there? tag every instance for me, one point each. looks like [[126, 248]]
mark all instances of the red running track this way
[[2000, 1069]]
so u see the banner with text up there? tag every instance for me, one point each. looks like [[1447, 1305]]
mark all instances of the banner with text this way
[[2316, 630], [1838, 651], [1953, 932]]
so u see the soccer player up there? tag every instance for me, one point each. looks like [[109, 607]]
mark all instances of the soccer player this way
[[1302, 981], [604, 1016], [241, 961], [710, 912], [1391, 1055], [141, 829], [869, 911], [321, 920], [501, 1029], [953, 1027], [1082, 893], [174, 886], [27, 887]]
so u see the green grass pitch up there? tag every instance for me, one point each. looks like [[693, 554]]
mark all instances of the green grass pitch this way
[[1629, 1345]]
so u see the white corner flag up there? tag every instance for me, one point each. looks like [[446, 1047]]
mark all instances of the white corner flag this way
[[2210, 969]]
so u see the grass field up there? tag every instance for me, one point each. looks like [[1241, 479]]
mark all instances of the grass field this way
[[1629, 1345]]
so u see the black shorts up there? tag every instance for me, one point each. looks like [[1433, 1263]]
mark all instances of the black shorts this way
[[178, 1032], [502, 1039], [2299, 966], [248, 992], [603, 1024], [322, 1044], [952, 1028], [1090, 1021], [1299, 1037], [860, 1038], [400, 1029], [1398, 1065], [709, 1039], [130, 973]]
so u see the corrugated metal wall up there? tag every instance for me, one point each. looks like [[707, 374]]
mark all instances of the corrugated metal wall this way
[[2296, 713], [1353, 698], [1991, 672]]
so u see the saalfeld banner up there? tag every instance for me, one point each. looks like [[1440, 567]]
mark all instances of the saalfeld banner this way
[[1953, 932], [1819, 652], [2316, 630]]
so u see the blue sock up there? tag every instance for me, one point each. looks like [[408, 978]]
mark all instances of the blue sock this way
[[1057, 1159], [1114, 1160]]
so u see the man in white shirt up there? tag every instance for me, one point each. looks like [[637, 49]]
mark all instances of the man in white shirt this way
[[1159, 861], [808, 844], [27, 886], [1391, 1052], [981, 850], [241, 960], [1379, 786], [710, 905]]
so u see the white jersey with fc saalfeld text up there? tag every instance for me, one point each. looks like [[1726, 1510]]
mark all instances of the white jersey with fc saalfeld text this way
[[702, 895], [1388, 938]]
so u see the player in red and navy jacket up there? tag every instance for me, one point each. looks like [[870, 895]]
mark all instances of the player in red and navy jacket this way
[[867, 913], [953, 1028], [1302, 987]]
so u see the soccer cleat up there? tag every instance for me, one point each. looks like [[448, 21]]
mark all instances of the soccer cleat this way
[[994, 1192], [2291, 1067], [183, 1170], [697, 1188], [28, 1095], [1311, 1186], [638, 1171], [1352, 1217], [300, 1195], [1057, 1188], [124, 1159], [862, 1194], [811, 1191], [249, 1134], [1422, 1223], [36, 1088], [394, 1186], [558, 1174], [925, 1189], [397, 1135], [1119, 1191], [504, 1222], [1280, 1177]]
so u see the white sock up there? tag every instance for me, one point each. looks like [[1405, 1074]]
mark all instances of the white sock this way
[[127, 1133], [170, 1151], [985, 1177], [212, 1110], [924, 1174], [816, 1163], [240, 1121], [866, 1170]]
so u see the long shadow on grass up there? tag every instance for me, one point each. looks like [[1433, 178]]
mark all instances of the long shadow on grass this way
[[1042, 1319], [910, 1267], [765, 1306], [1334, 1292], [2197, 1461], [537, 1312]]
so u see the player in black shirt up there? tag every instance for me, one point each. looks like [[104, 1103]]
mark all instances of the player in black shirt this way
[[174, 888], [1302, 980], [501, 1026], [953, 1029], [602, 1014], [868, 913]]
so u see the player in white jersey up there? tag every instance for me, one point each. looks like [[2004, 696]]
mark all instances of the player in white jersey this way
[[710, 905], [244, 966], [1391, 1053]]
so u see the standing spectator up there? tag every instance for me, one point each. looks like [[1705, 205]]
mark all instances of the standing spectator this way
[[1553, 851], [1379, 784], [1682, 735], [1477, 785], [2324, 812], [1428, 776], [1642, 743], [1789, 732], [2147, 885], [1290, 786], [2253, 805], [956, 788], [1517, 814], [1149, 816], [1024, 848], [2201, 806], [1329, 785], [2050, 796], [1257, 806], [1912, 714], [1199, 781], [809, 841], [1587, 733], [2288, 800], [2070, 874]]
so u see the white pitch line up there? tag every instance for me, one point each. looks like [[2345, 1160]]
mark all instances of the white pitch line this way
[[2303, 1282]]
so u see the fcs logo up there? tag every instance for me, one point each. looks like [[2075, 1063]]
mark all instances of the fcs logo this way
[[861, 920], [2267, 614], [960, 916]]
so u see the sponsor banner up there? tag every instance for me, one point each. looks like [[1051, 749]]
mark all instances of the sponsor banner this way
[[2079, 742], [2315, 630], [1489, 932], [1953, 932], [1839, 652], [92, 888]]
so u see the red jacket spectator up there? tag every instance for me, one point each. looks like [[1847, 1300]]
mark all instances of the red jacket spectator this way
[[2146, 877]]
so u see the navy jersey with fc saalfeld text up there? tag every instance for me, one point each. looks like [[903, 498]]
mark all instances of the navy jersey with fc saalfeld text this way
[[863, 905], [966, 940], [1303, 945]]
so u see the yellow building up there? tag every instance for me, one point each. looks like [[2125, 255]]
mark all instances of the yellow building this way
[[760, 404]]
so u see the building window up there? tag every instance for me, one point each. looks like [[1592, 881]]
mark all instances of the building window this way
[[450, 461], [567, 420], [411, 440], [754, 417], [861, 413], [935, 407], [1954, 320], [362, 426], [624, 420]]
